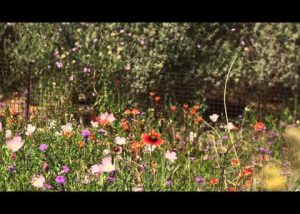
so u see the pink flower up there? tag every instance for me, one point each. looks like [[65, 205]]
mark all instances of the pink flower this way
[[86, 70], [171, 156], [59, 64], [30, 130], [15, 144], [96, 169], [107, 118], [1, 127], [142, 42], [107, 165], [38, 181], [120, 140]]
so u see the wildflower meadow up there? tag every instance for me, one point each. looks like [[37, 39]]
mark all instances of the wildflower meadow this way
[[157, 143]]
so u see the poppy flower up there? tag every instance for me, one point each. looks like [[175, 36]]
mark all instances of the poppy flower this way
[[247, 172], [152, 138], [259, 126], [214, 181]]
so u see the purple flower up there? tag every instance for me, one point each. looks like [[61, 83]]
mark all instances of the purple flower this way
[[199, 179], [270, 143], [224, 137], [102, 132], [111, 179], [264, 150], [60, 179], [113, 173], [11, 169], [168, 183], [43, 147], [86, 133], [66, 169]]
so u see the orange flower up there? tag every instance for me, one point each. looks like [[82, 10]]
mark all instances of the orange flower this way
[[127, 111], [214, 181], [68, 134], [157, 98], [92, 137], [81, 144], [235, 162], [192, 111], [198, 119], [185, 106], [259, 126], [231, 189], [136, 146], [247, 172], [173, 108], [264, 158], [196, 107], [152, 138], [125, 125], [135, 111]]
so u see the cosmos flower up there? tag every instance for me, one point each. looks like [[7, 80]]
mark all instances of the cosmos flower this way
[[96, 169], [38, 181], [171, 156], [15, 144], [107, 165], [106, 118], [152, 138], [214, 117]]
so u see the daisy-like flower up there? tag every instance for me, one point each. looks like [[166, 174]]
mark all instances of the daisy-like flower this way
[[259, 126], [120, 140], [38, 181], [15, 144], [214, 117], [171, 156], [8, 134], [152, 138]]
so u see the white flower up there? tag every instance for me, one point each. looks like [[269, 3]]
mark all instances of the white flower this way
[[214, 117], [57, 133], [38, 182], [149, 148], [171, 156], [230, 126], [192, 136], [106, 151], [52, 123], [94, 124], [30, 129], [8, 134], [120, 140]]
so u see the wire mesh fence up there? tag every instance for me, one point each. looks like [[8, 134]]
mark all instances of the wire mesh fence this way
[[57, 95]]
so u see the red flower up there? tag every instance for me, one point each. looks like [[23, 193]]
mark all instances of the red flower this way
[[196, 107], [214, 181], [157, 98], [152, 138], [185, 106], [259, 126], [198, 119], [247, 172], [231, 189]]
